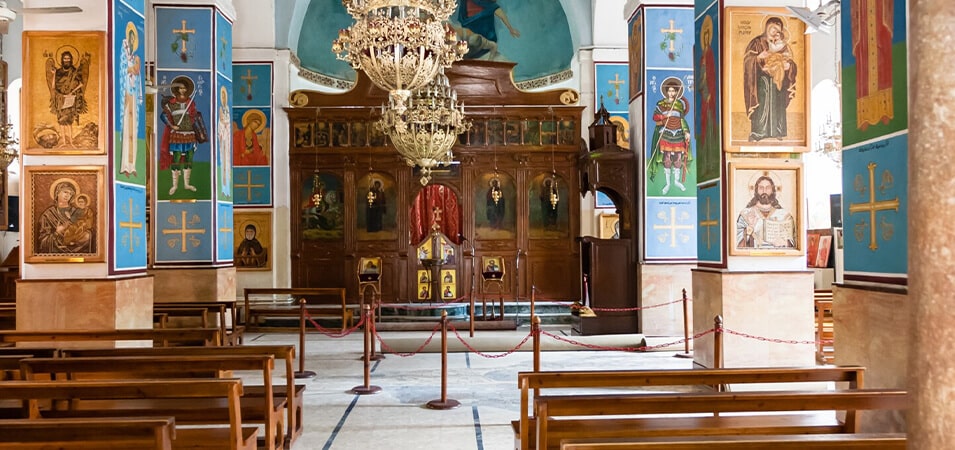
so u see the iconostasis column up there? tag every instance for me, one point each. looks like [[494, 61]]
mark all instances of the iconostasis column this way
[[751, 120], [661, 97], [83, 245], [193, 177]]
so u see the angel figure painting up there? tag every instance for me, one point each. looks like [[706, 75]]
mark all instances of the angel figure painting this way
[[72, 85]]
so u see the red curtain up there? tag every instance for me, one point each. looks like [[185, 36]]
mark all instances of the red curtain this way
[[422, 213]]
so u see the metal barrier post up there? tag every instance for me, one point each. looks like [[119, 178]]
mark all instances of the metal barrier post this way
[[686, 330], [444, 402], [302, 373], [367, 388]]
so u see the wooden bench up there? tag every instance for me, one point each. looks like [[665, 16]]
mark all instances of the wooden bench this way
[[158, 336], [265, 409], [225, 310], [110, 395], [530, 384], [320, 302], [577, 416], [121, 433], [824, 326], [294, 413], [866, 441]]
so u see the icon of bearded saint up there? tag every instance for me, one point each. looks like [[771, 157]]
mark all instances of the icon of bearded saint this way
[[764, 223]]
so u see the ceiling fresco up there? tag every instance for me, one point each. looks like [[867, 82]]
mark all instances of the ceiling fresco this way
[[500, 30]]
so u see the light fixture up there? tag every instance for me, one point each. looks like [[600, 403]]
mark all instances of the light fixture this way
[[8, 146], [425, 131], [318, 189], [822, 18], [399, 44], [829, 139], [553, 195]]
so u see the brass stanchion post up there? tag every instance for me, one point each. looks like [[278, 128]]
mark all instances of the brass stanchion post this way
[[302, 373], [686, 330], [367, 388], [536, 335], [444, 402], [375, 355]]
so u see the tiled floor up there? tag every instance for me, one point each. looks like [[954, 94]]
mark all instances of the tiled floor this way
[[397, 418]]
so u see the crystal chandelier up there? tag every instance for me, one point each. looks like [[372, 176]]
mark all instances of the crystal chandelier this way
[[400, 44], [8, 146], [425, 131], [829, 139]]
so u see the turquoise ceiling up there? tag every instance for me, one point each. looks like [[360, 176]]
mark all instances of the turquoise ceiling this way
[[543, 47]]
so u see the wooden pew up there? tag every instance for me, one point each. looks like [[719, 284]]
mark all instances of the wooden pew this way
[[320, 302], [558, 411], [159, 336], [866, 441], [87, 395], [530, 383], [265, 409], [294, 413], [121, 433], [824, 326], [225, 310]]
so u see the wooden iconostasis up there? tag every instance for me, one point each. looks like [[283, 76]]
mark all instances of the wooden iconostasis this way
[[354, 196]]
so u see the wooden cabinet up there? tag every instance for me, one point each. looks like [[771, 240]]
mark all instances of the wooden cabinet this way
[[605, 264]]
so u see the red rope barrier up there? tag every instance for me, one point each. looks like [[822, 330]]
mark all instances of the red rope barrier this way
[[776, 340], [488, 355], [386, 349], [333, 333], [430, 306]]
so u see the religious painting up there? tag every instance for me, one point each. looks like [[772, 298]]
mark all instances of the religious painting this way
[[376, 204], [875, 201], [532, 132], [65, 75], [620, 119], [609, 226], [129, 227], [549, 207], [359, 133], [812, 247], [766, 81], [670, 150], [184, 232], [252, 84], [492, 267], [322, 209], [252, 240], [822, 254], [495, 132], [369, 269], [302, 135], [709, 247], [251, 136], [611, 86], [670, 232], [184, 38], [766, 201], [874, 69], [188, 102], [495, 203], [669, 37], [223, 139], [706, 116], [65, 212], [448, 285], [636, 53], [129, 120], [603, 201], [512, 132]]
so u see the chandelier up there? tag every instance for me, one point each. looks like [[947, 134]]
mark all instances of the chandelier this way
[[399, 44], [424, 132], [829, 139], [8, 146]]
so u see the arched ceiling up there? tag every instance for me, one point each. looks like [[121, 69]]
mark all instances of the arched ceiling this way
[[549, 34]]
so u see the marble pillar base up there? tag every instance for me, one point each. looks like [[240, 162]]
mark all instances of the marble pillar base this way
[[659, 284], [199, 285], [872, 329], [104, 304], [765, 305]]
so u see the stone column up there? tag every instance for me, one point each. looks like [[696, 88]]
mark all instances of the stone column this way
[[932, 179], [193, 178]]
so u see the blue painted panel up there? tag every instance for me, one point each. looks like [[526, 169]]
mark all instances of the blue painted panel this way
[[223, 139], [223, 46], [612, 86], [183, 38], [875, 242], [706, 113], [184, 232], [710, 239], [129, 107], [225, 237], [252, 84], [656, 178], [669, 37], [671, 228], [253, 186], [129, 246]]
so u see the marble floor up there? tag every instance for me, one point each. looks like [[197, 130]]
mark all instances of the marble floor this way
[[397, 418]]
